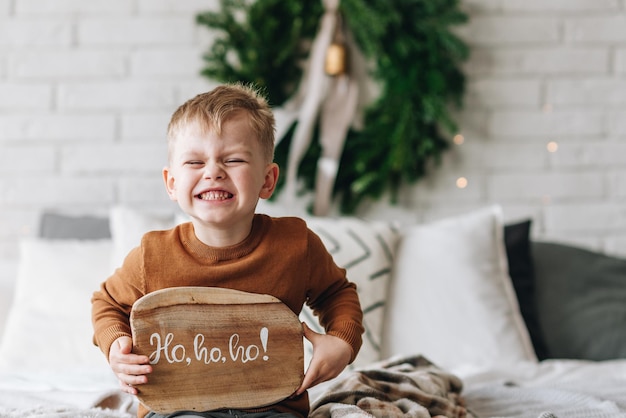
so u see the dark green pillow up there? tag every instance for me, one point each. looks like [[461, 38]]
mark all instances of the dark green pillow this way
[[581, 301]]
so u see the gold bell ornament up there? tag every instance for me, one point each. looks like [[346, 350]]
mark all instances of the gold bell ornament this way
[[335, 59]]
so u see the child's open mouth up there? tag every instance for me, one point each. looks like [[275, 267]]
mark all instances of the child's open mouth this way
[[214, 195]]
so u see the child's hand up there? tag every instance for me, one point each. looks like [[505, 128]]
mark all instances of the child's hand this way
[[130, 369], [330, 356]]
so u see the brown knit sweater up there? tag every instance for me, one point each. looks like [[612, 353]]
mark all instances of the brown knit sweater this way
[[281, 257]]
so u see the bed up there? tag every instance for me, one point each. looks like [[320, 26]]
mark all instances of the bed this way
[[465, 316]]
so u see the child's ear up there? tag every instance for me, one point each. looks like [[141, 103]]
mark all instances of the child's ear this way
[[271, 179], [169, 181]]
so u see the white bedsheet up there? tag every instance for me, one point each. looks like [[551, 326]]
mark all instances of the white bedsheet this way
[[566, 388], [74, 393]]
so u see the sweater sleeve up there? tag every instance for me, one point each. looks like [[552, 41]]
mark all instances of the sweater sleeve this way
[[112, 303], [333, 298]]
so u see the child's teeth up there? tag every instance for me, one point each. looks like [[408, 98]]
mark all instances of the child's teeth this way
[[215, 196]]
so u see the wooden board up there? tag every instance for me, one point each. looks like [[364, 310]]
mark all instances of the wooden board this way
[[214, 348]]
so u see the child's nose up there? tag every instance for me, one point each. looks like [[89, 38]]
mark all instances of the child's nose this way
[[214, 171]]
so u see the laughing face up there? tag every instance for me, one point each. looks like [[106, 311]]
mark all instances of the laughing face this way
[[217, 179]]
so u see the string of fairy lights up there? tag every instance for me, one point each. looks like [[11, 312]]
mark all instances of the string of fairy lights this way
[[552, 147]]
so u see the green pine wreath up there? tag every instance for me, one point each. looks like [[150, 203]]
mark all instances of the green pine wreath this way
[[416, 61]]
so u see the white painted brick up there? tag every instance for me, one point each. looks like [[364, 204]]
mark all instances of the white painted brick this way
[[495, 93], [18, 97], [586, 217], [478, 7], [516, 212], [193, 86], [504, 30], [67, 64], [437, 211], [441, 186], [124, 94], [620, 60], [592, 154], [136, 31], [17, 33], [56, 118], [73, 7], [145, 126], [610, 28], [473, 121], [484, 156], [562, 122], [25, 160], [205, 37], [616, 124], [534, 61], [167, 62], [57, 127], [561, 6], [114, 159], [147, 191], [541, 186], [617, 183], [401, 212], [5, 7], [177, 6], [587, 91], [50, 191]]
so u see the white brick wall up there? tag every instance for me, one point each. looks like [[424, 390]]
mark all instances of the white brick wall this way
[[87, 88]]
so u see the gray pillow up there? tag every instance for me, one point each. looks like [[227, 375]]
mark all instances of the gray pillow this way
[[63, 226], [581, 302]]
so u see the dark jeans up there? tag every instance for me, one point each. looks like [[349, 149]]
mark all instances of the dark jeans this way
[[223, 413]]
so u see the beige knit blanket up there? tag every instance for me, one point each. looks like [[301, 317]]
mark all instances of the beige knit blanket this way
[[410, 387]]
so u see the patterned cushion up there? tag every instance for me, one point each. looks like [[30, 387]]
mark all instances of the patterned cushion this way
[[366, 250]]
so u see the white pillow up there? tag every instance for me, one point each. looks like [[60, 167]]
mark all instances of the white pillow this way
[[49, 327], [451, 298], [366, 250], [8, 273], [128, 225]]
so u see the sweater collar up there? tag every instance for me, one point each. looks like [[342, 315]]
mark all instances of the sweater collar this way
[[260, 223]]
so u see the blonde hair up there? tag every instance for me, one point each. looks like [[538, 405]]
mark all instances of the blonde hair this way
[[211, 109]]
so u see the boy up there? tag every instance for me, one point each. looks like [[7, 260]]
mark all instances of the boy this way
[[220, 162]]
